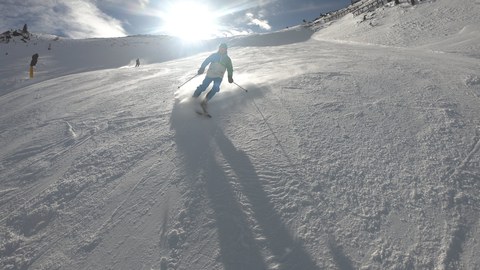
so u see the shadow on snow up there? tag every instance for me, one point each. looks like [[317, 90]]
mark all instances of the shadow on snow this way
[[198, 141]]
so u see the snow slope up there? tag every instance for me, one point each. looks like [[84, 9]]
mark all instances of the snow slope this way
[[357, 148]]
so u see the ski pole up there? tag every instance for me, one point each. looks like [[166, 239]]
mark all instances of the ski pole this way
[[187, 81], [241, 87]]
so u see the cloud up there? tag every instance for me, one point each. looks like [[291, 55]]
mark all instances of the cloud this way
[[290, 7], [128, 6], [256, 21], [69, 18]]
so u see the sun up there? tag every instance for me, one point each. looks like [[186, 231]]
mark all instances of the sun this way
[[190, 21]]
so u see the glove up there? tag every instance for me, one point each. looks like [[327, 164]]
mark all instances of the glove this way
[[230, 79], [200, 71]]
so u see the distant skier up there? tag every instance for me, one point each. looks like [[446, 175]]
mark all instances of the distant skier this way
[[138, 63], [33, 63], [34, 60], [219, 63]]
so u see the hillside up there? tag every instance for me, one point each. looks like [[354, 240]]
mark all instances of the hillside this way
[[355, 147]]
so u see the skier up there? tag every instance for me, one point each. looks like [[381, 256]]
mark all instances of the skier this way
[[219, 63], [33, 63], [137, 63], [34, 60]]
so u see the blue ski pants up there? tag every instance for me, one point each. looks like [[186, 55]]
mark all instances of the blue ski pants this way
[[206, 82]]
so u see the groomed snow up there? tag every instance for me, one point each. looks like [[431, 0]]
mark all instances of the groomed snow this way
[[355, 147]]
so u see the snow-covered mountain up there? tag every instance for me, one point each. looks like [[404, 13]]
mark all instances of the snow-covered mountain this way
[[355, 147]]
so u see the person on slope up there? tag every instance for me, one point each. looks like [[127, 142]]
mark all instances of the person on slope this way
[[219, 63]]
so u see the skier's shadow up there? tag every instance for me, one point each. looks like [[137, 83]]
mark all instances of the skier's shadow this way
[[236, 241], [197, 142]]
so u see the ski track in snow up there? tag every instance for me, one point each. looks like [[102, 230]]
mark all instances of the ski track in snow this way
[[343, 154]]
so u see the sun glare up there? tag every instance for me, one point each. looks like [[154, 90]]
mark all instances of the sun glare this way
[[190, 21]]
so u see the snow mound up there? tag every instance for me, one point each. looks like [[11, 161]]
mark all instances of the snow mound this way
[[454, 27]]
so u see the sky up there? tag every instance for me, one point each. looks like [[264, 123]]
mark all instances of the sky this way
[[185, 18]]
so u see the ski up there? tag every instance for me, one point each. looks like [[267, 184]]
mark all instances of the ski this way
[[204, 111], [206, 114]]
